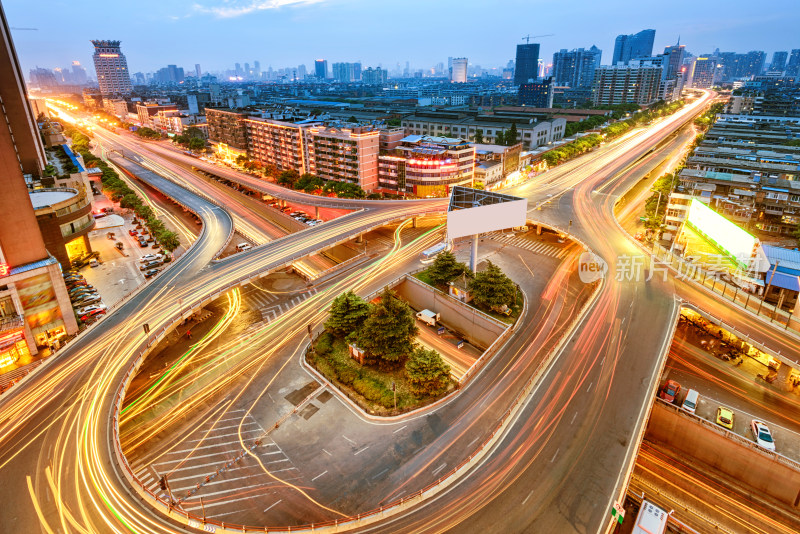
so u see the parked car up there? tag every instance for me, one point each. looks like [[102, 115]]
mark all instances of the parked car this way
[[79, 289], [142, 242], [151, 272], [94, 263], [725, 417], [87, 309], [99, 214], [133, 232], [670, 391], [762, 435], [149, 257], [243, 247], [89, 299], [77, 297], [92, 315], [150, 265]]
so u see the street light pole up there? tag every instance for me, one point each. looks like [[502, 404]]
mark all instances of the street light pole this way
[[769, 285]]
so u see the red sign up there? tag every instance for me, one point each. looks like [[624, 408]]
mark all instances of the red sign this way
[[4, 269]]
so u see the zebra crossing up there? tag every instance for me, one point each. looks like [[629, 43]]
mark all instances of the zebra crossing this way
[[537, 247], [269, 304], [210, 464]]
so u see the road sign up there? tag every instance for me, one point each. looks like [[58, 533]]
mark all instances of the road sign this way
[[618, 512], [440, 331]]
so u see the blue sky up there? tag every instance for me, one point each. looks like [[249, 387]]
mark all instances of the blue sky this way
[[217, 33]]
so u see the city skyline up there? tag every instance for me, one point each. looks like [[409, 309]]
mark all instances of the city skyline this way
[[257, 30]]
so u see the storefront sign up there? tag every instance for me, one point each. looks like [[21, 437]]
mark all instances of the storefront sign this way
[[4, 269]]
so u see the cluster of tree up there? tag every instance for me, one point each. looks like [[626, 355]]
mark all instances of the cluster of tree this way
[[507, 138], [572, 149], [385, 332], [491, 288], [312, 184], [148, 133], [191, 138], [119, 191], [709, 116], [655, 207]]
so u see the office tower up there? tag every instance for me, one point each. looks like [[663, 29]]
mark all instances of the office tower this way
[[237, 69], [78, 73], [247, 69], [527, 63], [778, 61], [538, 94], [197, 71], [752, 63], [459, 73], [321, 69], [793, 66], [576, 68], [627, 47], [375, 76], [40, 77], [111, 68], [675, 55], [357, 72], [301, 72], [702, 73], [257, 68], [34, 294]]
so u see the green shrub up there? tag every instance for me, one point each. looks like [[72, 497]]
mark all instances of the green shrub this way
[[347, 375], [325, 344]]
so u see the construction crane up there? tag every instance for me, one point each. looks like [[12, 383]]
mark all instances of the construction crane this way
[[528, 37]]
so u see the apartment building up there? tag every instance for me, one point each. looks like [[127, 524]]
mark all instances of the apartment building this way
[[626, 84]]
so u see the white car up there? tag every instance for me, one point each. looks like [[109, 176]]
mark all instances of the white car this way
[[762, 435], [149, 257], [87, 309]]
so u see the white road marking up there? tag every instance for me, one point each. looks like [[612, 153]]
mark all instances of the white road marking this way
[[316, 477]]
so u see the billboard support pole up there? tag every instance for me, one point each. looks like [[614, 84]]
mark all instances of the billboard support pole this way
[[473, 258]]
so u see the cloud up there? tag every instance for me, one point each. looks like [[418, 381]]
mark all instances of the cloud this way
[[236, 8]]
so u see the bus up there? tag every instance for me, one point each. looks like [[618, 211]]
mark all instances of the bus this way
[[651, 519], [431, 253]]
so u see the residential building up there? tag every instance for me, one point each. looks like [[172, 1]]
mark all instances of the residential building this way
[[778, 61], [377, 76], [538, 93], [347, 72], [227, 131], [626, 84], [793, 65], [111, 68], [427, 166], [34, 306], [576, 68], [148, 111], [627, 47], [702, 72], [344, 154], [116, 106], [275, 141], [459, 70], [171, 74], [526, 66]]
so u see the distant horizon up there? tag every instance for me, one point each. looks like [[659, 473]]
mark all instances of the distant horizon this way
[[287, 33]]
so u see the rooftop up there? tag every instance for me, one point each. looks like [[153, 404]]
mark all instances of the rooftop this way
[[44, 198]]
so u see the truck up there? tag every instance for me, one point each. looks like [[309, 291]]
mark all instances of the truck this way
[[428, 317]]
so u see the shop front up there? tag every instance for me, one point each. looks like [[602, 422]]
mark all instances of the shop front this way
[[13, 347]]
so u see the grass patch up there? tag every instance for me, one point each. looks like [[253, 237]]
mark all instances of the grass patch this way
[[422, 276], [369, 387]]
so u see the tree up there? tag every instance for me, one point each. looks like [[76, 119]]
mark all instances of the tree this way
[[501, 137], [478, 137], [427, 372], [511, 135], [352, 119], [196, 143], [347, 314], [241, 159], [445, 268], [169, 240], [131, 200], [288, 178], [389, 331], [491, 288], [309, 183]]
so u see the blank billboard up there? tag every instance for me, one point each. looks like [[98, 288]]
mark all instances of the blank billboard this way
[[486, 218], [729, 237]]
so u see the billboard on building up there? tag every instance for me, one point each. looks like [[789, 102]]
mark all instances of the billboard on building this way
[[473, 211], [38, 299], [729, 237]]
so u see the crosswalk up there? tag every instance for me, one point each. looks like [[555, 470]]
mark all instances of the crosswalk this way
[[537, 247], [269, 304], [210, 463]]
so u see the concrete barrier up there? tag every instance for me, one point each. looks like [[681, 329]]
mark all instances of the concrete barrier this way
[[736, 456]]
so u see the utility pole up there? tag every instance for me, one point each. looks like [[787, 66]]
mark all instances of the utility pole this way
[[769, 285]]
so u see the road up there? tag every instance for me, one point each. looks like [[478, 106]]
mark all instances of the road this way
[[567, 484]]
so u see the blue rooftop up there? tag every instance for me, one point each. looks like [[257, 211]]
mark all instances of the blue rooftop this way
[[788, 260]]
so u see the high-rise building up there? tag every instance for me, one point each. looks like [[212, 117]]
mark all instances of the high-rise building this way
[[793, 66], [111, 68], [375, 76], [78, 73], [40, 77], [627, 47], [626, 84], [778, 61], [575, 68], [347, 72], [32, 291], [197, 71], [321, 69], [301, 72], [674, 64], [257, 68], [536, 93], [459, 72], [527, 63], [702, 72]]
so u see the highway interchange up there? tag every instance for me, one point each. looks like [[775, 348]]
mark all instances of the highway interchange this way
[[559, 464]]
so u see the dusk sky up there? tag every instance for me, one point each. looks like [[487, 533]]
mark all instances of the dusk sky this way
[[281, 33]]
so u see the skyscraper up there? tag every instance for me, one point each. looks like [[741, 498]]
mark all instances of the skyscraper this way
[[793, 66], [527, 63], [197, 71], [321, 68], [78, 73], [576, 68], [778, 61], [111, 68], [675, 61], [627, 47], [459, 73]]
